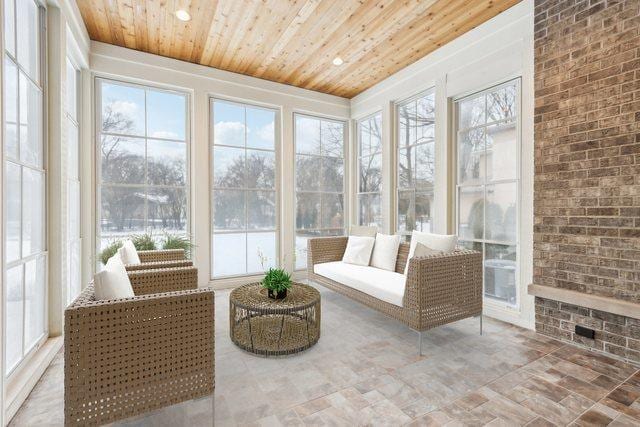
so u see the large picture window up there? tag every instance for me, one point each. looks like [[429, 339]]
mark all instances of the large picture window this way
[[25, 273], [488, 182], [73, 183], [416, 163], [143, 141], [319, 172], [370, 170], [244, 196]]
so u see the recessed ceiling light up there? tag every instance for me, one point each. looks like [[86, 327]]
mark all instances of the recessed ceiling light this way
[[337, 61], [183, 15]]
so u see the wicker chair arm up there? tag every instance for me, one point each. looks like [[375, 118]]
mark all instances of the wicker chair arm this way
[[325, 249], [159, 264], [161, 255], [163, 280], [445, 280]]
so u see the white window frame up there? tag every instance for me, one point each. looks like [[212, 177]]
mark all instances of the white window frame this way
[[492, 302], [357, 155], [276, 150], [345, 173], [396, 159], [98, 161]]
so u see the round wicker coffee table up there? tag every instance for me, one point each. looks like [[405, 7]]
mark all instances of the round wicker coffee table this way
[[269, 327]]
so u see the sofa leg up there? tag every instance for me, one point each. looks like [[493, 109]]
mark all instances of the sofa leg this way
[[480, 323], [420, 343]]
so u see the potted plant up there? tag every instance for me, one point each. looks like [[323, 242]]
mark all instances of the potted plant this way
[[276, 280]]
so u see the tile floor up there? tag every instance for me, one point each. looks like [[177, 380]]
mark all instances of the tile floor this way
[[365, 371]]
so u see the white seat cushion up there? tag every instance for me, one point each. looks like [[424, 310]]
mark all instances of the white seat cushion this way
[[385, 285], [129, 253], [112, 282]]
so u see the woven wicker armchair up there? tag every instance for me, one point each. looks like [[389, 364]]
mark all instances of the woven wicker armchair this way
[[132, 355], [439, 289], [165, 258]]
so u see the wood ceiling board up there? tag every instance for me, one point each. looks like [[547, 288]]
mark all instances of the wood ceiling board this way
[[291, 41]]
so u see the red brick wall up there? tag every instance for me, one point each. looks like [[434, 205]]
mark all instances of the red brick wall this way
[[587, 146]]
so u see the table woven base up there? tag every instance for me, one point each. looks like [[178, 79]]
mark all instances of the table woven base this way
[[274, 327]]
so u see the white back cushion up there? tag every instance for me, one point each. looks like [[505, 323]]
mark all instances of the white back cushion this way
[[385, 252], [129, 253], [438, 242], [112, 282], [358, 250]]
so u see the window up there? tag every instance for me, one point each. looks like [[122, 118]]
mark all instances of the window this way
[[245, 199], [25, 182], [143, 141], [370, 170], [416, 163], [73, 183], [488, 182], [319, 145]]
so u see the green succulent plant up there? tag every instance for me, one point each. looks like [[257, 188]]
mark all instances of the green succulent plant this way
[[277, 280], [110, 251], [172, 241], [144, 242]]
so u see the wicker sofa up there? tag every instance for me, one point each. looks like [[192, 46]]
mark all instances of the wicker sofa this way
[[132, 355], [438, 289], [164, 258]]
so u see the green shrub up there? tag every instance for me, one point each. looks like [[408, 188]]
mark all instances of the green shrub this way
[[110, 251], [277, 279], [172, 241], [144, 242]]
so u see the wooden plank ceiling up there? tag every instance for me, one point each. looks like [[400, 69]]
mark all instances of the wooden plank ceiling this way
[[291, 41]]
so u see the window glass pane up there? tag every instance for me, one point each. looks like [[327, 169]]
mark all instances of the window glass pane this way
[[307, 135], [229, 254], [307, 210], [9, 27], [332, 139], [500, 272], [123, 160], [11, 109], [370, 170], [13, 200], [501, 212], [30, 122], [265, 244], [166, 115], [228, 122], [472, 112], [471, 156], [423, 212], [14, 317], [501, 104], [261, 210], [425, 165], [123, 109], [228, 167], [471, 213], [332, 211], [261, 128], [28, 27], [166, 162], [301, 250], [33, 214], [406, 166], [167, 210], [72, 96], [74, 271], [369, 210], [34, 279], [406, 211], [425, 119], [261, 169], [73, 152], [123, 210], [74, 209], [307, 173], [502, 151], [332, 174], [229, 210], [474, 246]]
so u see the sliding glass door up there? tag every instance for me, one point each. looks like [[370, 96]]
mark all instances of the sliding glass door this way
[[245, 191], [24, 193], [488, 181]]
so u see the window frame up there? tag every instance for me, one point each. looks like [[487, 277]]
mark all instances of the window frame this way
[[277, 144], [345, 173], [188, 141], [22, 261], [358, 157], [517, 82], [396, 159]]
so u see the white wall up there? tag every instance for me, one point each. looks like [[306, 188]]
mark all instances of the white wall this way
[[202, 83], [496, 51]]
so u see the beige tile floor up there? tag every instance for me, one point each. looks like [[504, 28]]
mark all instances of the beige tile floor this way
[[365, 371]]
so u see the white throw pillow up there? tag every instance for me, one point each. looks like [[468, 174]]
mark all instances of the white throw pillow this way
[[438, 242], [358, 250], [385, 251], [363, 230], [112, 282], [129, 253]]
